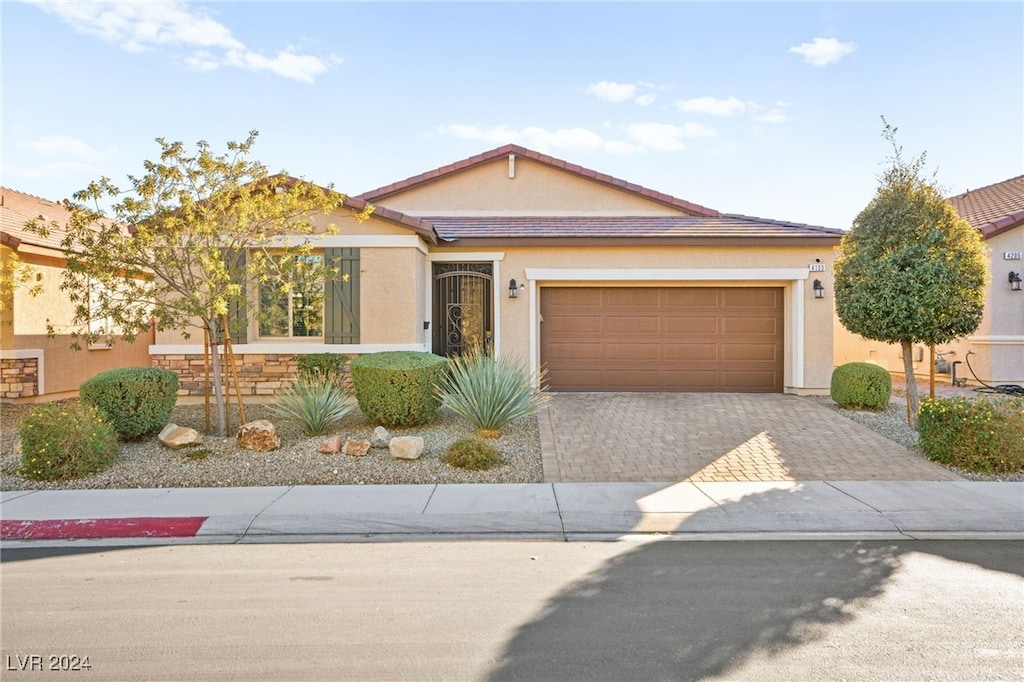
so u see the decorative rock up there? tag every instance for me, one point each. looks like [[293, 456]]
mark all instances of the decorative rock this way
[[356, 448], [380, 438], [331, 446], [259, 435], [175, 437], [406, 447]]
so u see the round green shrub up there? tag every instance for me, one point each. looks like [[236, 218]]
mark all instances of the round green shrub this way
[[474, 454], [330, 365], [861, 385], [396, 388], [137, 400], [973, 434], [60, 441]]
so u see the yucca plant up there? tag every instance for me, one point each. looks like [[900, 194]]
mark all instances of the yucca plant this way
[[490, 392], [315, 402]]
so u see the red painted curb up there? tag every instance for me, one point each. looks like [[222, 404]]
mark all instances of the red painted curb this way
[[91, 529]]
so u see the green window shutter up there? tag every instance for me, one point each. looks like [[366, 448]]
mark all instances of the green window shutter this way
[[341, 307], [238, 323]]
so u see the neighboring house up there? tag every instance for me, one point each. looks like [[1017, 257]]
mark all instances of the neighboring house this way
[[606, 284], [34, 365], [997, 347]]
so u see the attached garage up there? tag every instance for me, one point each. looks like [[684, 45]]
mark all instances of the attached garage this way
[[685, 338]]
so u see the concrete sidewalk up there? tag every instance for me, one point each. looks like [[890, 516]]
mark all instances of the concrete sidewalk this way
[[561, 511]]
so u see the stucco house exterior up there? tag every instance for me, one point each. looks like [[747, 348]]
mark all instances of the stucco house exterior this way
[[997, 347], [608, 285], [34, 365]]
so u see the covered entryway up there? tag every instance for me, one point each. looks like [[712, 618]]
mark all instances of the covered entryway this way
[[663, 338]]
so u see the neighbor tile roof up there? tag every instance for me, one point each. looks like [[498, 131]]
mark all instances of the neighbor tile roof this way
[[502, 152], [18, 208], [993, 209], [681, 228]]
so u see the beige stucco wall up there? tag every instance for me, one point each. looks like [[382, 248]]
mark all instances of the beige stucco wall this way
[[997, 347], [61, 368], [732, 262], [536, 188], [392, 298]]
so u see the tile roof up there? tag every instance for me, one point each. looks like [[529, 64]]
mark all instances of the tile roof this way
[[993, 209], [18, 208], [674, 228], [503, 151]]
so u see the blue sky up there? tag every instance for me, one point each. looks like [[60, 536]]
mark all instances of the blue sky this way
[[762, 109]]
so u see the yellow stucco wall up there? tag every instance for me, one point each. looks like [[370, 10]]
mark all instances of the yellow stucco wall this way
[[536, 188]]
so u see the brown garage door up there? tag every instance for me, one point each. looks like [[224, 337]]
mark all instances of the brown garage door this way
[[662, 338]]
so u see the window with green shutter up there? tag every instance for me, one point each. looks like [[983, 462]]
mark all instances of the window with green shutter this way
[[341, 307]]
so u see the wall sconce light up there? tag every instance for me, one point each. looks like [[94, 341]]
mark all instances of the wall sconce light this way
[[1014, 281], [513, 289], [819, 289]]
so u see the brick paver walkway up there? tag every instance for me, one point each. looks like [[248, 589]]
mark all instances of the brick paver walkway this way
[[716, 437]]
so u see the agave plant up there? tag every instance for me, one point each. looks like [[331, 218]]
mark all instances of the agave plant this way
[[315, 401], [490, 392]]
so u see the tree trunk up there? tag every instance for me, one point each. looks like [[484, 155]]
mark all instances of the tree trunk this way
[[216, 374], [908, 372]]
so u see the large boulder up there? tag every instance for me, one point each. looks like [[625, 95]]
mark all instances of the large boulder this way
[[175, 437], [406, 447], [259, 435]]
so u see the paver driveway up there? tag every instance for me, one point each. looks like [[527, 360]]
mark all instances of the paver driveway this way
[[716, 437]]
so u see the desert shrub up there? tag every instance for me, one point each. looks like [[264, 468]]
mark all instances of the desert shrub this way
[[61, 441], [489, 392], [331, 365], [861, 385], [474, 454], [973, 434], [137, 400], [396, 388], [314, 401]]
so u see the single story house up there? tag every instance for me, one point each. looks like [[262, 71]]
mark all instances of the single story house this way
[[34, 365], [607, 285], [997, 347]]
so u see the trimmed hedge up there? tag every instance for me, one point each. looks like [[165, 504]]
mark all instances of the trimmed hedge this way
[[973, 434], [861, 385], [61, 441], [396, 388], [330, 365], [137, 400]]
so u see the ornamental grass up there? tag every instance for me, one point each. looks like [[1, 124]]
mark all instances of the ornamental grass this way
[[315, 402]]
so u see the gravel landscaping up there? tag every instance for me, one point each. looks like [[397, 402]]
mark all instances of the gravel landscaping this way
[[219, 462]]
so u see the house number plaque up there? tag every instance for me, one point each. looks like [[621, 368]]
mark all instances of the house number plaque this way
[[1011, 255]]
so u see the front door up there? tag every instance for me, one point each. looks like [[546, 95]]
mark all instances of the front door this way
[[463, 316]]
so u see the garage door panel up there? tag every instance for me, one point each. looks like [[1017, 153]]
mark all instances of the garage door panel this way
[[691, 325], [663, 338], [754, 326]]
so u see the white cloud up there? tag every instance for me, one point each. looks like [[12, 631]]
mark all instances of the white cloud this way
[[612, 92], [823, 51], [73, 170], [772, 116], [620, 148], [139, 26], [665, 137], [63, 146], [713, 106]]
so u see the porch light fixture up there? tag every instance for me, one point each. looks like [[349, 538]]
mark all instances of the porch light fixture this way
[[513, 289], [819, 289], [1014, 281]]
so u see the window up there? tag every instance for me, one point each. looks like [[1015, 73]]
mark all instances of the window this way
[[294, 309]]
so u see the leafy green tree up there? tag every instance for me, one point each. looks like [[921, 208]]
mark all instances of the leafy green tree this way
[[180, 245], [910, 270]]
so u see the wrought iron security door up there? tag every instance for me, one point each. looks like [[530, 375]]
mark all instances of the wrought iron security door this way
[[463, 316]]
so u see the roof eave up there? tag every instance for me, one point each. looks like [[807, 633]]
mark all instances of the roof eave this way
[[796, 240]]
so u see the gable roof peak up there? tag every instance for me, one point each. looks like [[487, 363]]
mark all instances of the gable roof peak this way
[[375, 195]]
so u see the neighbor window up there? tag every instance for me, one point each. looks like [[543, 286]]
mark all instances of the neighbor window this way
[[294, 309]]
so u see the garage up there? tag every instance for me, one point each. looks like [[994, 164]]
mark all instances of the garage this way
[[663, 338]]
